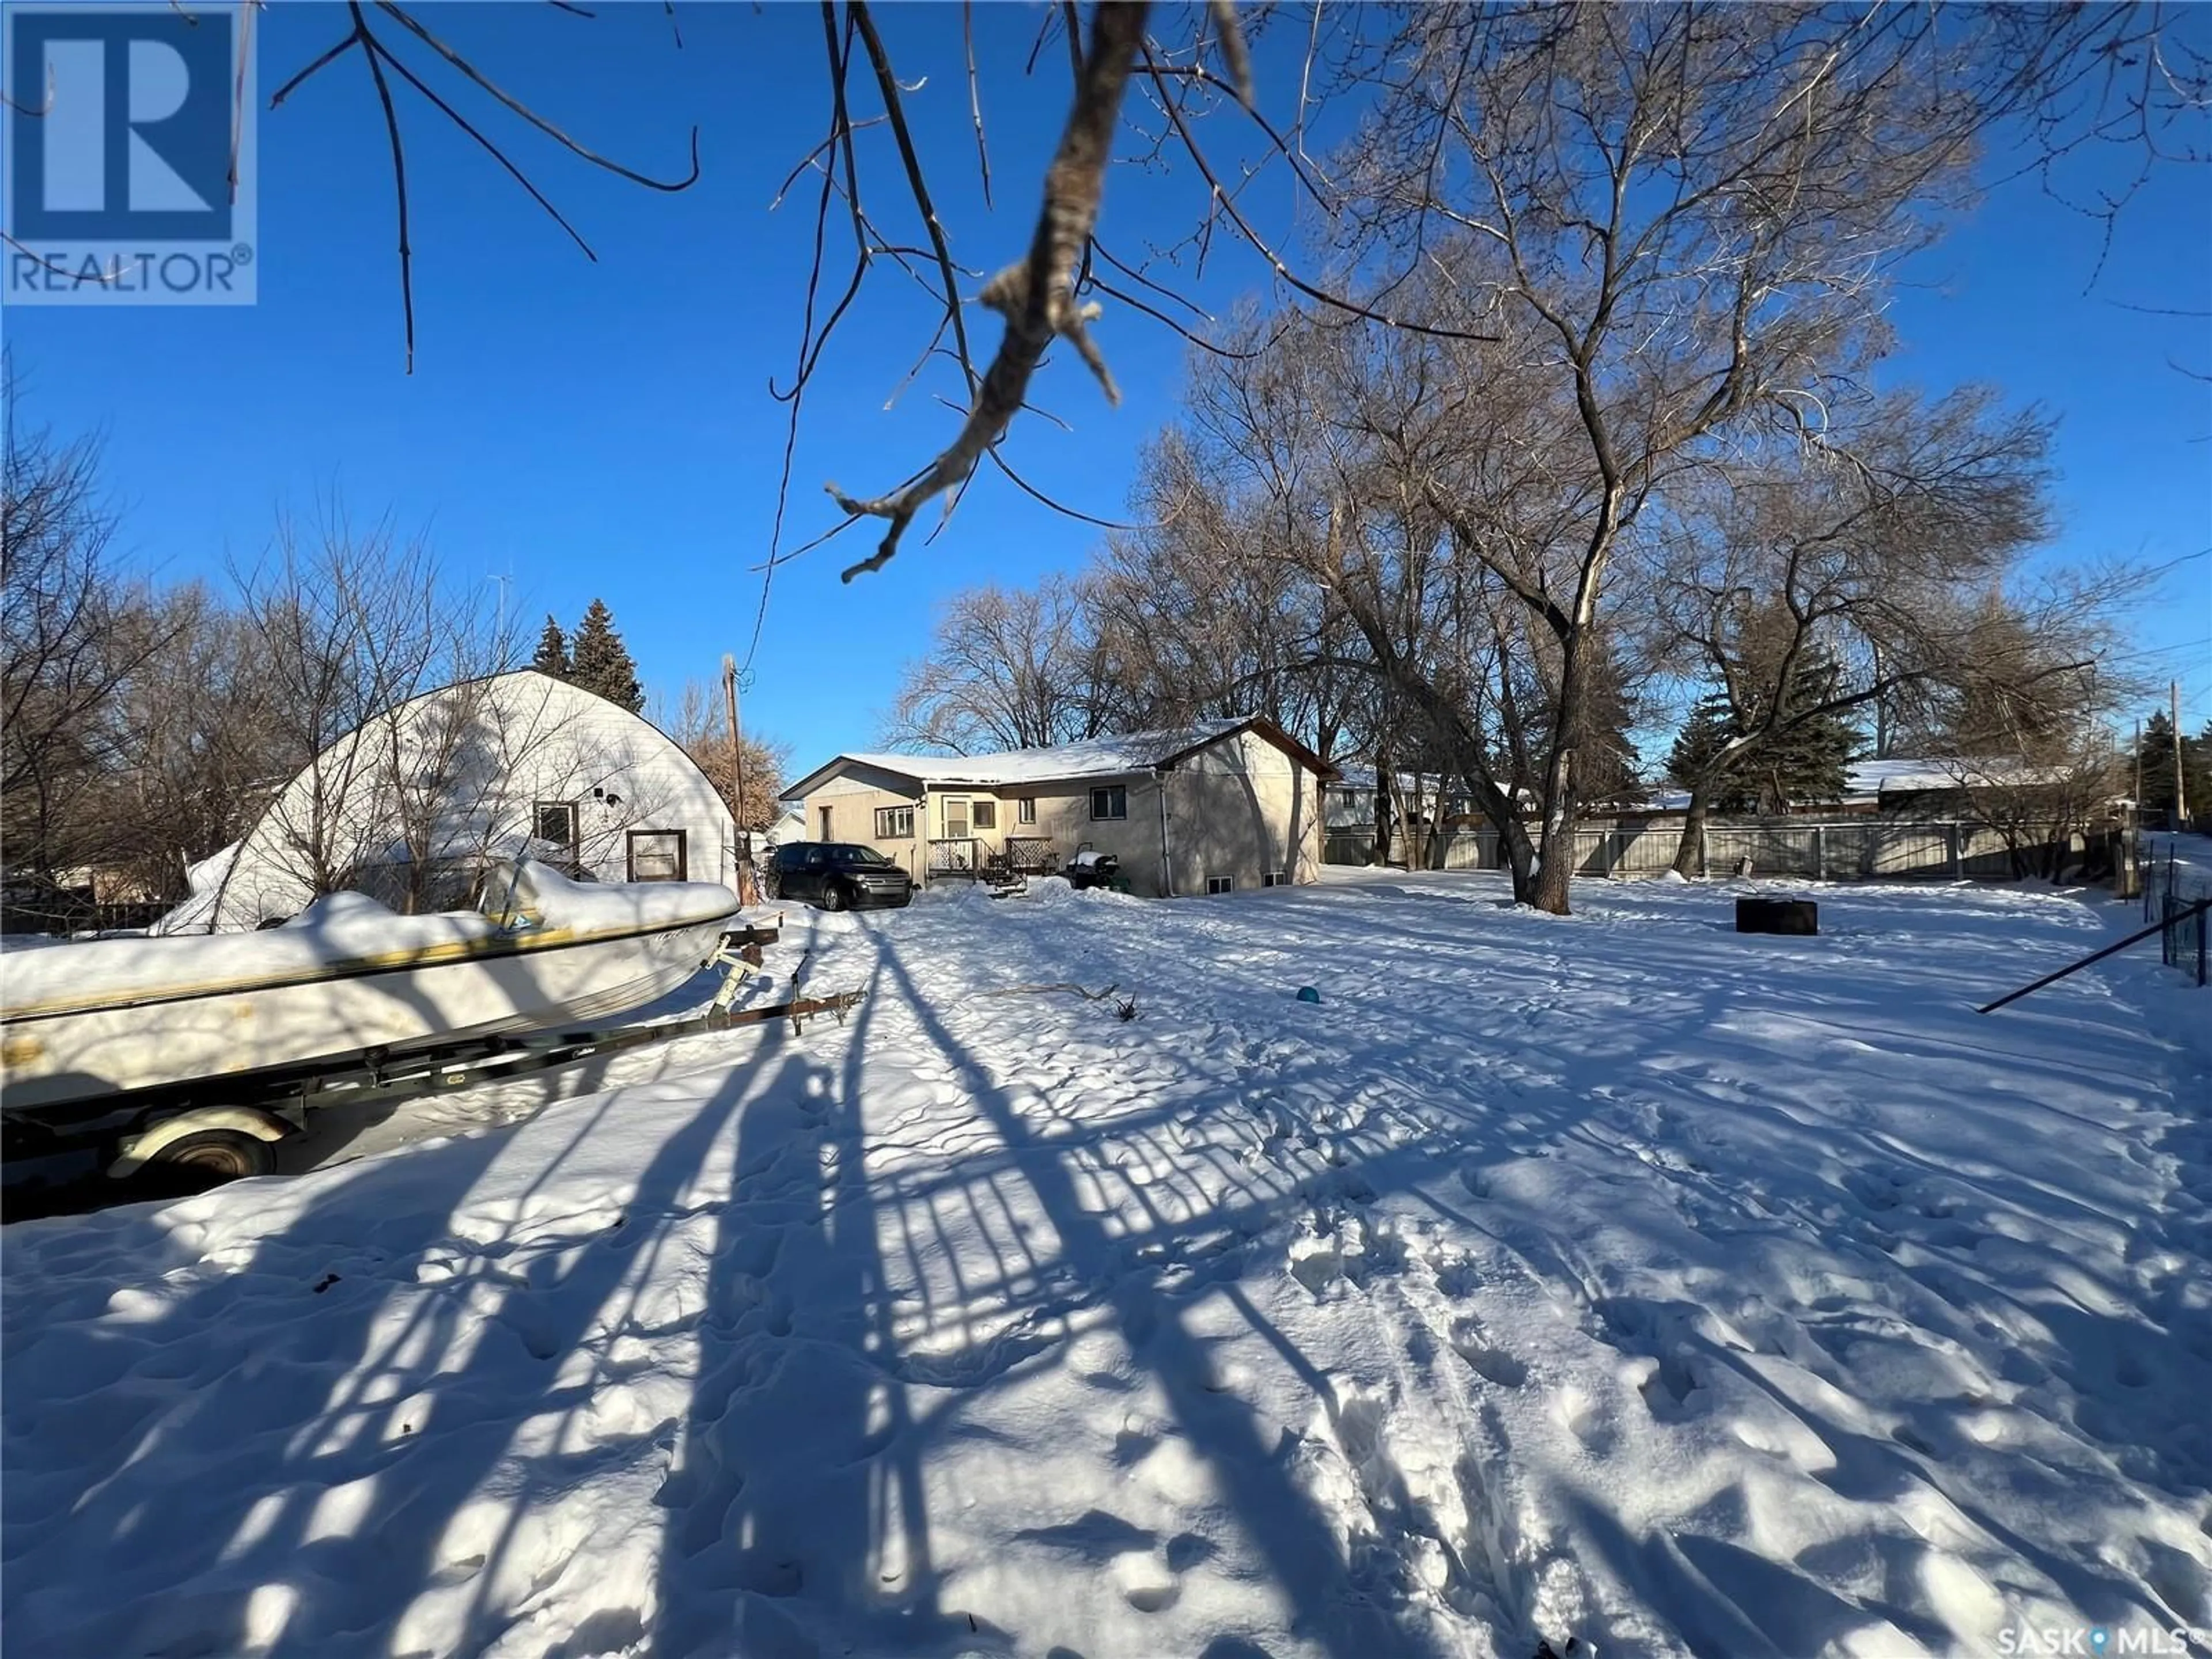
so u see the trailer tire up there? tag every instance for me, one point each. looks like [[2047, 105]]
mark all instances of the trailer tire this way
[[220, 1154]]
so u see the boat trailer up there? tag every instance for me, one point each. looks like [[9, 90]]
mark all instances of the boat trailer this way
[[126, 1132]]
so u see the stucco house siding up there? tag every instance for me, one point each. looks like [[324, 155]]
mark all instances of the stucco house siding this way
[[1243, 810], [1064, 815], [853, 801]]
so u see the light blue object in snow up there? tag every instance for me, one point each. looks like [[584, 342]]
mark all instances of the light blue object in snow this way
[[1307, 993]]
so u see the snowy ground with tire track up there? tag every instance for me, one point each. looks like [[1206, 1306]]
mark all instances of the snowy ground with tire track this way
[[1613, 1277]]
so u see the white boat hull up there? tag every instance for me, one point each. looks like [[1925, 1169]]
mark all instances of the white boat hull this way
[[51, 1057]]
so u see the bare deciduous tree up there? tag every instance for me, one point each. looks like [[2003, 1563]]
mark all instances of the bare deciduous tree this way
[[1200, 615], [346, 628], [1871, 549], [700, 724], [75, 628], [1007, 668]]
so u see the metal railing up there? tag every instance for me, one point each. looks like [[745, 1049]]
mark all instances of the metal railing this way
[[2174, 894]]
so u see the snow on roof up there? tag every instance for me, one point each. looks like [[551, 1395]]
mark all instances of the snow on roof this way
[[1865, 781], [1890, 777], [1099, 757]]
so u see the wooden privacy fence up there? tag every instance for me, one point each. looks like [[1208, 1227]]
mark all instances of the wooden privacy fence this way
[[1852, 849]]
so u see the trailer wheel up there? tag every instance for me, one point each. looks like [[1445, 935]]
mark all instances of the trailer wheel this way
[[217, 1154]]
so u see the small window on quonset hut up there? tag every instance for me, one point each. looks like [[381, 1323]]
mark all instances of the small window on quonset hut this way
[[657, 855], [554, 821]]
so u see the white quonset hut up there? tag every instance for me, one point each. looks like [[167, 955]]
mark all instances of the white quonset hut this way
[[408, 807], [1218, 807]]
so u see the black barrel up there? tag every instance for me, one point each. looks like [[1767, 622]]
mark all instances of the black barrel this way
[[1776, 915]]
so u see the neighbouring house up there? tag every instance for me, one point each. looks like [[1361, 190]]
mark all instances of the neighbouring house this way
[[790, 825], [1423, 809], [1216, 807], [1915, 786], [408, 807]]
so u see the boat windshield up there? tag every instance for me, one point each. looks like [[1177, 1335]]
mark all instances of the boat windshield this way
[[506, 892], [867, 855]]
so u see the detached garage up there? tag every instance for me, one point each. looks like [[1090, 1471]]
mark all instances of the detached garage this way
[[408, 807]]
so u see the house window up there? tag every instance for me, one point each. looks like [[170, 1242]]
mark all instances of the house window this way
[[1111, 802], [554, 821], [894, 823], [823, 813], [658, 855], [1276, 878], [1025, 810], [986, 814], [1221, 884]]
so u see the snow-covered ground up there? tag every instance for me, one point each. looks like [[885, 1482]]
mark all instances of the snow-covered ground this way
[[1616, 1277], [2191, 852]]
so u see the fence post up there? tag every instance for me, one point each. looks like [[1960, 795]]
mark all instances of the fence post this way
[[1951, 836], [1820, 852], [1702, 870]]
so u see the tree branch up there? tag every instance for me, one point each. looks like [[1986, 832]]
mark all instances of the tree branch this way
[[1037, 296]]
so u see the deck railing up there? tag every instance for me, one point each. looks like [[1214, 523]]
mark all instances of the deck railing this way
[[959, 855], [968, 857], [1030, 855]]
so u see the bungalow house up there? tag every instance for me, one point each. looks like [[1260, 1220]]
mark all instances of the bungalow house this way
[[1216, 807]]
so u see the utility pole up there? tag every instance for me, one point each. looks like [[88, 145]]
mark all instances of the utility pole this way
[[748, 888], [2125, 885], [499, 634], [2181, 775]]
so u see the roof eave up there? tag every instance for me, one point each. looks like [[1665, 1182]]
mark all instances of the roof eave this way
[[1267, 729]]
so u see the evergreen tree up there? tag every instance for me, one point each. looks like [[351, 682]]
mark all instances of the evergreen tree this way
[[601, 663], [2156, 754], [1805, 760], [1604, 756], [1808, 760], [1711, 724], [552, 656]]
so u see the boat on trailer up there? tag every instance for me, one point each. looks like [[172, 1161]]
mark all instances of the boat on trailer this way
[[91, 1032]]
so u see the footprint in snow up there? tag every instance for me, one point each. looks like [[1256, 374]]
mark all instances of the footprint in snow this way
[[1493, 1364]]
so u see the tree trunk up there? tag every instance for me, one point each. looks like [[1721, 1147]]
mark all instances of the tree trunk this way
[[1693, 831], [1520, 862], [1383, 818], [1555, 866]]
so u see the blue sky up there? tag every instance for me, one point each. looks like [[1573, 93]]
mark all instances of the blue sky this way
[[605, 429]]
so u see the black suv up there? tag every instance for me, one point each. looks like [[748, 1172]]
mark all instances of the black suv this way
[[838, 876]]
